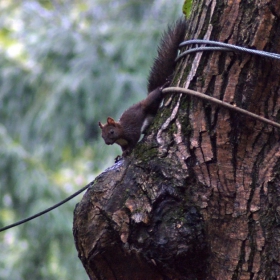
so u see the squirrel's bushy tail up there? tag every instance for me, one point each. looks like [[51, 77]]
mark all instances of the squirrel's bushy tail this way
[[164, 64]]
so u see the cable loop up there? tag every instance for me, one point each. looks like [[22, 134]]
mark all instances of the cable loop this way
[[219, 46]]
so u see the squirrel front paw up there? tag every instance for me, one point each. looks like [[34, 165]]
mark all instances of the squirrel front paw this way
[[118, 158]]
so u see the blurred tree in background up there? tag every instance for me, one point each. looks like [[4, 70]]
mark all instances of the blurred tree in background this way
[[65, 65]]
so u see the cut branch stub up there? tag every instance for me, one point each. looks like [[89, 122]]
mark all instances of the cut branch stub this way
[[128, 227]]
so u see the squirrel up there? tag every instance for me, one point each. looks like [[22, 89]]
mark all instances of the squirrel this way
[[127, 131]]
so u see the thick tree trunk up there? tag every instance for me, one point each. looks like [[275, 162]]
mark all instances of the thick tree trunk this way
[[200, 196]]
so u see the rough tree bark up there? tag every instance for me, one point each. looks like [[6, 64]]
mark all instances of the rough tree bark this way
[[200, 196]]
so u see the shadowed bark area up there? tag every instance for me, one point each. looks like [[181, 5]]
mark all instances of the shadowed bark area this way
[[199, 197]]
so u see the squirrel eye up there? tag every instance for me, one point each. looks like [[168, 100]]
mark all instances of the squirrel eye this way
[[111, 132]]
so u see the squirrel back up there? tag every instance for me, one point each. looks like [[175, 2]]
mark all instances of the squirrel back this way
[[164, 63], [127, 131]]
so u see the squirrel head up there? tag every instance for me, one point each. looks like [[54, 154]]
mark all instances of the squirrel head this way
[[111, 131]]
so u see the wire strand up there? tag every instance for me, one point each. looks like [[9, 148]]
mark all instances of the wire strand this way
[[221, 103], [46, 210], [230, 47]]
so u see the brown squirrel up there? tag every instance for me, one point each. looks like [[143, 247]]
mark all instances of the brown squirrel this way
[[127, 131]]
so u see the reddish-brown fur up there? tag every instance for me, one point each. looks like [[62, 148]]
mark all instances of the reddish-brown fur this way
[[127, 131]]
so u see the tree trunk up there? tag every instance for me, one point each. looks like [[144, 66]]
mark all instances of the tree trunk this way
[[200, 196]]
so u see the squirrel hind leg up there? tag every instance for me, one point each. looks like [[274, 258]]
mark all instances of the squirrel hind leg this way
[[148, 120]]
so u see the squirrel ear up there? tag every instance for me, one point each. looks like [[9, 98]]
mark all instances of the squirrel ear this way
[[110, 121], [100, 125]]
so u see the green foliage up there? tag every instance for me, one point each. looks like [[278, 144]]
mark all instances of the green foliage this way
[[65, 65], [187, 7]]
